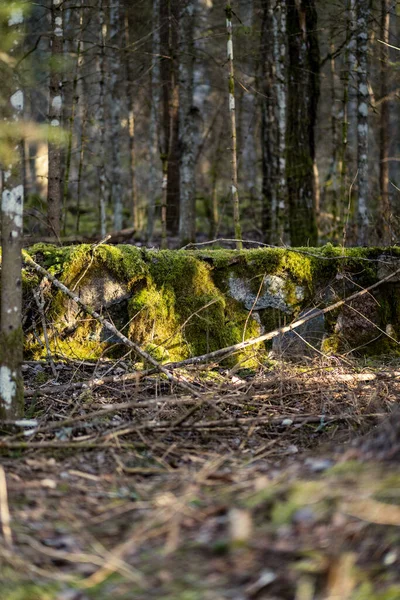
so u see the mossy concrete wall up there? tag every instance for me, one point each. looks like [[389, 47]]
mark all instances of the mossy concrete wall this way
[[178, 304]]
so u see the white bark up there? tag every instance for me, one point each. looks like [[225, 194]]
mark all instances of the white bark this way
[[55, 110], [12, 202], [362, 127], [279, 25], [114, 68]]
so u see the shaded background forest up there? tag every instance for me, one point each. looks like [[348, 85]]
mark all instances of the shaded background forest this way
[[141, 93]]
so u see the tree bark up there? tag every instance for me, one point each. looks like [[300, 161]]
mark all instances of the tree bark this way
[[268, 127], [153, 184], [232, 114], [12, 201], [363, 12], [303, 95], [169, 41], [101, 122], [385, 230], [189, 125], [54, 194], [280, 53], [130, 92], [115, 98], [248, 115]]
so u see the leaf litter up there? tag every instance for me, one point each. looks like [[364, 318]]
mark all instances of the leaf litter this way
[[283, 484]]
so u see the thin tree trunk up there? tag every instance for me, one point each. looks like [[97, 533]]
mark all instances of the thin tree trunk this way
[[214, 172], [268, 128], [232, 113], [54, 194], [153, 185], [131, 127], [101, 121], [384, 126], [164, 202], [332, 176], [248, 113], [12, 201], [188, 118], [75, 100], [303, 95], [280, 51], [165, 137], [173, 189], [114, 68], [80, 170], [363, 130]]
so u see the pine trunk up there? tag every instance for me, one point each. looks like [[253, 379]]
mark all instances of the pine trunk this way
[[153, 185], [303, 95], [114, 68]]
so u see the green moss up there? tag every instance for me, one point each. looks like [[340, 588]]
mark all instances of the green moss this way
[[180, 306], [331, 344]]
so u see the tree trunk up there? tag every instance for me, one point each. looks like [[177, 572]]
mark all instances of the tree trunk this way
[[75, 100], [268, 128], [232, 114], [303, 95], [101, 122], [169, 21], [248, 115], [280, 51], [54, 193], [130, 91], [363, 11], [114, 68], [153, 185], [189, 125], [12, 201], [385, 230]]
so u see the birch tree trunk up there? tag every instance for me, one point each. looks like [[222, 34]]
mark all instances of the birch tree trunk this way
[[153, 185], [12, 201], [115, 110], [188, 116], [303, 95], [54, 193], [232, 113], [363, 13], [101, 121], [280, 52], [385, 232]]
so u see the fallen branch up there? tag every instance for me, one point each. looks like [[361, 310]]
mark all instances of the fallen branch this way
[[29, 262], [225, 352]]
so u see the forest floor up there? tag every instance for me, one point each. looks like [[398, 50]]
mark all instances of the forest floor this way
[[282, 484]]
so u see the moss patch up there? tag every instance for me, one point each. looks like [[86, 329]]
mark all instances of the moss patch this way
[[180, 304]]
